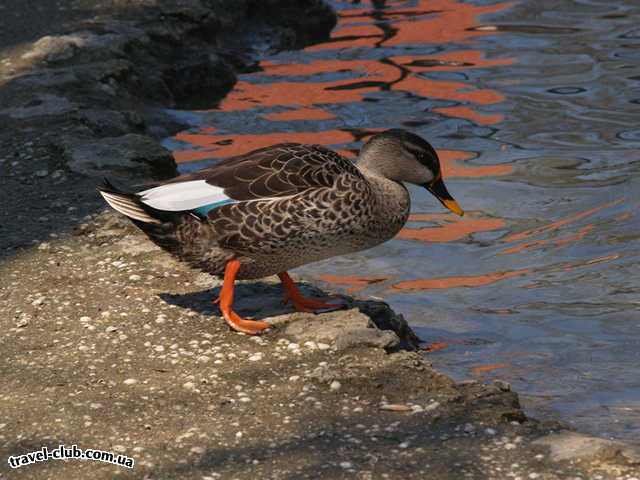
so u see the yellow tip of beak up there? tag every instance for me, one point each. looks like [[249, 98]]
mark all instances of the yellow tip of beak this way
[[453, 206]]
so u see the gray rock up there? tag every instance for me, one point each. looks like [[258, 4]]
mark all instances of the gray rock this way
[[386, 319], [112, 123], [198, 79], [343, 329], [57, 47], [42, 105], [573, 445], [85, 46], [127, 157]]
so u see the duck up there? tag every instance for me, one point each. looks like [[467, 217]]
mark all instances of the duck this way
[[268, 211]]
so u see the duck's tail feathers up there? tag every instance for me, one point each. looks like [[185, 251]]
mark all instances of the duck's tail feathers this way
[[126, 203]]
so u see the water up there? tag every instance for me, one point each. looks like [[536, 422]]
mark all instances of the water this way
[[535, 113]]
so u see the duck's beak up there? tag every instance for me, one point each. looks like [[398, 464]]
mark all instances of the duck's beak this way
[[438, 189]]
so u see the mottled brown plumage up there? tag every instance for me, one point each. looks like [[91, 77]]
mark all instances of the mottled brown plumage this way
[[283, 206]]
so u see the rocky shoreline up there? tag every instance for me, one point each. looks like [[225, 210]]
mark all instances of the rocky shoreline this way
[[110, 344]]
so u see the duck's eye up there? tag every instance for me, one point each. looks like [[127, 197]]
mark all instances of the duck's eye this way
[[416, 153]]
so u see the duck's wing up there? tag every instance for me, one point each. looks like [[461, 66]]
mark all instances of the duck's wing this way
[[272, 172]]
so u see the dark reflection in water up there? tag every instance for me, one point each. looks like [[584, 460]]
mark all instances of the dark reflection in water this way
[[534, 113]]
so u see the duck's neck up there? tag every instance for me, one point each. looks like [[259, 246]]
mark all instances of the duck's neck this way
[[387, 186], [391, 197]]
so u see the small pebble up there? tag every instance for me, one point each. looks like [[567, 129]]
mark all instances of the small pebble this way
[[335, 386], [395, 407], [130, 381], [23, 322]]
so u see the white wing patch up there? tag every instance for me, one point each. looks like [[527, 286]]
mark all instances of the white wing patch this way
[[175, 197]]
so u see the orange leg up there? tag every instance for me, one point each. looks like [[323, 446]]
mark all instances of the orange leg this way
[[292, 292], [225, 300]]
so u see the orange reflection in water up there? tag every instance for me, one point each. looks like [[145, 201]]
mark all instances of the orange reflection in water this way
[[355, 283], [467, 112], [447, 21], [487, 368], [451, 169], [553, 226], [559, 223], [334, 81], [224, 146], [455, 229], [372, 76], [304, 113], [504, 370], [433, 347], [481, 280], [499, 370], [450, 282], [430, 21], [440, 344], [447, 90]]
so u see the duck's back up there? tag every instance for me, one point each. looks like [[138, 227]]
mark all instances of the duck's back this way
[[275, 171]]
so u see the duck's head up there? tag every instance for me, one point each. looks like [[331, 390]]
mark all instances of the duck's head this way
[[405, 157]]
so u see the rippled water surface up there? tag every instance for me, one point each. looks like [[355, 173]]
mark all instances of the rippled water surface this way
[[535, 113]]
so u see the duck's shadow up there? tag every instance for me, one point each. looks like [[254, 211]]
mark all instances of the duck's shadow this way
[[252, 299], [259, 300]]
